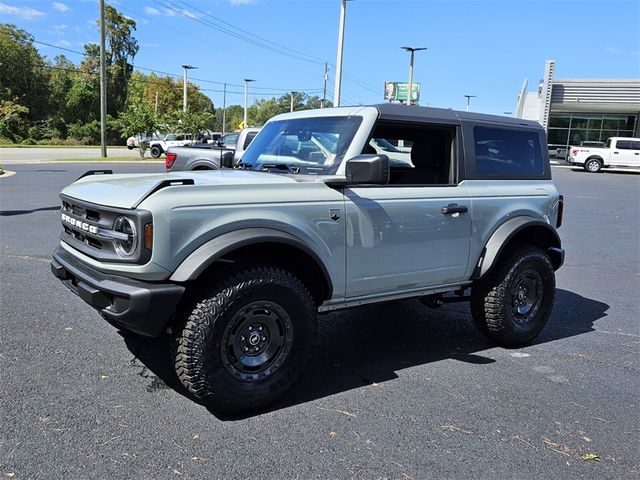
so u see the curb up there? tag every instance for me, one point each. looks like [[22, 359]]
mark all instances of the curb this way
[[604, 170]]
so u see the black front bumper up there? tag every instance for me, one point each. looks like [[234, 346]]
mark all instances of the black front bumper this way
[[141, 307]]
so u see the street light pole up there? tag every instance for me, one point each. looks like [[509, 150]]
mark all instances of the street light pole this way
[[246, 91], [336, 91], [412, 50], [469, 97], [184, 94], [224, 108]]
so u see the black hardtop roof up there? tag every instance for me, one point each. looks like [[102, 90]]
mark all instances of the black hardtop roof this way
[[397, 111]]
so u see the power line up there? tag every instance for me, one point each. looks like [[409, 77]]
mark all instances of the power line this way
[[259, 38], [261, 42], [168, 4]]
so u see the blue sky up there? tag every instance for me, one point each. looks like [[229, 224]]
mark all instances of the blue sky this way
[[482, 48]]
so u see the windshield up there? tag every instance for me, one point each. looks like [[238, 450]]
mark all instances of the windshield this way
[[312, 146]]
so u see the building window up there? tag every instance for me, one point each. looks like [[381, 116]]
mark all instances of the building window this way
[[567, 129]]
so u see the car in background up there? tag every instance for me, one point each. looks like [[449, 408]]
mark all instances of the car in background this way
[[135, 140], [160, 146], [210, 156], [617, 152], [558, 151]]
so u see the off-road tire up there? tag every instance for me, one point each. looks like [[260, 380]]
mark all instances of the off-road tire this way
[[156, 151], [208, 345], [512, 304], [593, 165]]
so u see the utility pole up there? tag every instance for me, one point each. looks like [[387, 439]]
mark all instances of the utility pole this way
[[469, 97], [155, 110], [224, 108], [410, 93], [246, 91], [103, 86], [292, 94], [336, 91], [184, 93], [324, 88]]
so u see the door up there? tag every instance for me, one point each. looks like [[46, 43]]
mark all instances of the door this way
[[626, 153], [399, 238]]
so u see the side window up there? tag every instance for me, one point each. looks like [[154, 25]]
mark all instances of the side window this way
[[418, 154], [170, 138], [635, 145], [250, 137], [623, 144], [507, 152]]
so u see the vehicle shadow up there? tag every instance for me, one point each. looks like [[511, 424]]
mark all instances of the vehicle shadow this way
[[11, 213], [369, 345]]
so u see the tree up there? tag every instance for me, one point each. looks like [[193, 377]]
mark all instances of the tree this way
[[138, 119], [12, 120], [23, 76], [192, 122]]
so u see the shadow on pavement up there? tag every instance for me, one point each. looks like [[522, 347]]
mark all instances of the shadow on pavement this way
[[370, 344], [11, 213]]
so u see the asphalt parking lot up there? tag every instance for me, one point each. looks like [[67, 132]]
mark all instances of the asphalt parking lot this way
[[395, 391]]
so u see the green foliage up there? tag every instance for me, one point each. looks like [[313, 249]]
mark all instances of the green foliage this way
[[58, 102], [13, 120], [191, 122], [23, 78]]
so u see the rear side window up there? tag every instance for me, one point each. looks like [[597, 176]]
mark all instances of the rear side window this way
[[507, 152], [628, 145]]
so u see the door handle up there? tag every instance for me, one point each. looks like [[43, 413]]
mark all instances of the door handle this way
[[454, 208], [616, 153]]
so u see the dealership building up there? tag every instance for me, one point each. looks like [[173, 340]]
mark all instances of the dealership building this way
[[574, 110]]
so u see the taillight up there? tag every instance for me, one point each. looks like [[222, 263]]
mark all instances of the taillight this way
[[560, 211], [171, 157], [574, 152]]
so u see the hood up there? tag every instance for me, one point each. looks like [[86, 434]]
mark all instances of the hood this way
[[127, 191]]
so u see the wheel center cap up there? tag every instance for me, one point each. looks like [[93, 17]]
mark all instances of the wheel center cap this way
[[254, 339]]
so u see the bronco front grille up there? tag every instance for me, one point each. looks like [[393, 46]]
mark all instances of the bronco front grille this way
[[89, 228]]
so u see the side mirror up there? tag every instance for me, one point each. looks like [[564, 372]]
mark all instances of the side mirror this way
[[368, 169], [226, 161], [219, 143]]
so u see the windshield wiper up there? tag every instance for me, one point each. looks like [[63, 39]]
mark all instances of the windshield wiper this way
[[279, 168]]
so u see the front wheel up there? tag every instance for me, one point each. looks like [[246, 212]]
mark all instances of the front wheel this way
[[513, 303], [593, 165], [156, 151], [246, 341]]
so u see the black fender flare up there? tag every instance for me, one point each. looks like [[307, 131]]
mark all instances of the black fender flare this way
[[201, 258], [507, 231]]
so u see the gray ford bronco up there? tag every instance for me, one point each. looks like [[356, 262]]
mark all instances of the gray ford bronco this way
[[328, 209]]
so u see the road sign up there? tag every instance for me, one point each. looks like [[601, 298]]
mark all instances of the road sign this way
[[399, 91]]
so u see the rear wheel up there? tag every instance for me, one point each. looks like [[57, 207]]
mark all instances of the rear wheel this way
[[156, 151], [593, 165], [246, 341], [513, 303]]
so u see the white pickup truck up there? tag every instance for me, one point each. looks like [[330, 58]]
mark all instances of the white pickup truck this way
[[617, 152]]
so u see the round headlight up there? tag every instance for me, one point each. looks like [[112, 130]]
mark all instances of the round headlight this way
[[125, 248]]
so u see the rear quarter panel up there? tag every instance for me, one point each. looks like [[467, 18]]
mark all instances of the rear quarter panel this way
[[496, 201]]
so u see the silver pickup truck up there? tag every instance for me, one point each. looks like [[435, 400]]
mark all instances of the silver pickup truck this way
[[237, 264], [210, 156]]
